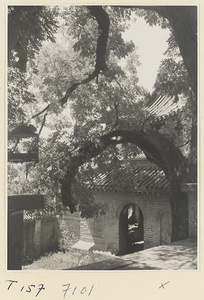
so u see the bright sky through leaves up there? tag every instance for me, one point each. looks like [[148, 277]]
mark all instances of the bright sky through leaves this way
[[151, 43]]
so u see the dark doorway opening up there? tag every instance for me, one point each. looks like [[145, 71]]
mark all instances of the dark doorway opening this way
[[131, 229]]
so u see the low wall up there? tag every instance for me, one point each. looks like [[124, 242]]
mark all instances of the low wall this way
[[69, 225], [40, 235], [48, 233]]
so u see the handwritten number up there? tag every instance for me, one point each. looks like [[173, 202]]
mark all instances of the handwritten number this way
[[74, 290], [29, 288], [40, 288], [65, 291], [91, 290], [83, 290], [67, 288]]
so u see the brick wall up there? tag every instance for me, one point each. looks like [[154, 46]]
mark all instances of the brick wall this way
[[104, 230]]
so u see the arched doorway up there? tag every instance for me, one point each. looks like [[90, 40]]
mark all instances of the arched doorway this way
[[131, 229]]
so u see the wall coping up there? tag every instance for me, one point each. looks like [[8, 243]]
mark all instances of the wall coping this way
[[25, 201]]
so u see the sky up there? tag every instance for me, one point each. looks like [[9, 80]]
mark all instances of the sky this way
[[151, 43]]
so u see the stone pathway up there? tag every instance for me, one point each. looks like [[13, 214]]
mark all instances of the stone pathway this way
[[180, 255]]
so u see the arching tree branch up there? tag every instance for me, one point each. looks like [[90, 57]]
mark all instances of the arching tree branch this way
[[145, 121], [155, 146], [157, 149]]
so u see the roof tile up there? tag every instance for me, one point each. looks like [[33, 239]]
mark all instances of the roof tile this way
[[139, 179]]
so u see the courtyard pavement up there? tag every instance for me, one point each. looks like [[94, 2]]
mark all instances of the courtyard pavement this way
[[181, 255]]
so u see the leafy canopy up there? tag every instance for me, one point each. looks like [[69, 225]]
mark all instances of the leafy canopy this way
[[57, 58]]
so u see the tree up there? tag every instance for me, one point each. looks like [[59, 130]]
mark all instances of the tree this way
[[28, 26], [156, 146], [153, 144], [183, 22]]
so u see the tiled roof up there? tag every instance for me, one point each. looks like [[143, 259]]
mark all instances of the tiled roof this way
[[140, 179], [162, 105], [147, 178]]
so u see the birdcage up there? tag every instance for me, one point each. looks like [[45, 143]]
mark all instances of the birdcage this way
[[23, 144]]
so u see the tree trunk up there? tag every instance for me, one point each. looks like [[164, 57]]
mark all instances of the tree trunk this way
[[179, 208]]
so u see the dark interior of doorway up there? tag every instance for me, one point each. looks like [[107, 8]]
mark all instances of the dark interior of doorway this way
[[131, 229]]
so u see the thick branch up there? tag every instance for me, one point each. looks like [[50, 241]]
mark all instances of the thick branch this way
[[155, 146], [145, 121], [93, 75], [103, 25]]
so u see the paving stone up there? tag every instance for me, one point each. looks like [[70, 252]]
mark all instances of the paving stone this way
[[176, 256]]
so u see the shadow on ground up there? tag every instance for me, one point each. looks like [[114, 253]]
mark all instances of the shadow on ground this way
[[181, 255]]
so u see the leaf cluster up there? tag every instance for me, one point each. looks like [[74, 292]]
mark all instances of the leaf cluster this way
[[28, 26], [152, 17], [19, 97]]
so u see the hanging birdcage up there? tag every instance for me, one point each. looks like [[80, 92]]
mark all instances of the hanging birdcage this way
[[23, 144]]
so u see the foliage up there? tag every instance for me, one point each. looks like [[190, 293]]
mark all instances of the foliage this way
[[112, 101], [69, 235], [84, 28], [85, 200], [28, 26], [152, 17], [19, 97], [172, 78], [173, 81]]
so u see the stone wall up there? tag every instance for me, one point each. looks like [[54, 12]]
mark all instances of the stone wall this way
[[40, 235], [69, 226]]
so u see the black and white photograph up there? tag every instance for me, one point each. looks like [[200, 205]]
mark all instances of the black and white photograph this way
[[101, 147], [102, 105]]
